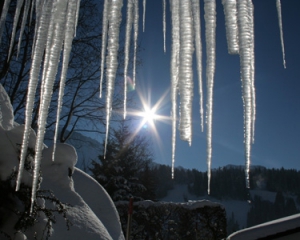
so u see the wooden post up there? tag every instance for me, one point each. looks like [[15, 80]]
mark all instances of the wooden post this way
[[130, 210]]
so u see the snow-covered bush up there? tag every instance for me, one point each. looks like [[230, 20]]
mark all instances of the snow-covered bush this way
[[59, 210]]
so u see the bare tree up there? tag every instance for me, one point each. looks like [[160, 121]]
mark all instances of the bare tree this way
[[82, 109]]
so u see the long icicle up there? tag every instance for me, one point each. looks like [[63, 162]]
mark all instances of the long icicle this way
[[71, 22], [185, 70], [231, 25], [244, 25], [210, 36], [3, 17], [24, 19], [144, 14], [135, 37], [16, 20], [251, 19], [104, 39], [129, 21], [278, 5], [198, 44], [58, 17], [174, 5], [111, 59], [37, 56], [164, 23]]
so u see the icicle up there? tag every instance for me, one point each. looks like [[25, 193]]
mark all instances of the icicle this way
[[104, 39], [16, 20], [185, 70], [231, 25], [3, 17], [111, 59], [278, 5], [38, 51], [31, 12], [210, 36], [174, 5], [129, 21], [135, 37], [77, 16], [59, 18], [244, 25], [251, 19], [164, 23], [70, 29], [144, 14], [198, 44], [25, 15]]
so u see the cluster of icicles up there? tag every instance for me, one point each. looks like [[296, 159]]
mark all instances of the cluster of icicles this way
[[55, 29]]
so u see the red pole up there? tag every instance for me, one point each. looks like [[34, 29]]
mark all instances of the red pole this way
[[130, 210]]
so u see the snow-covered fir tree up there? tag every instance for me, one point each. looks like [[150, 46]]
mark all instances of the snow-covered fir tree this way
[[127, 157]]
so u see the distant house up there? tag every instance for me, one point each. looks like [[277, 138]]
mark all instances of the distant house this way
[[283, 228]]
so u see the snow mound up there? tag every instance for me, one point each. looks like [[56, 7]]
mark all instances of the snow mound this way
[[95, 218]]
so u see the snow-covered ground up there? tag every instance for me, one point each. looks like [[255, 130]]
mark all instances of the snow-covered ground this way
[[92, 213]]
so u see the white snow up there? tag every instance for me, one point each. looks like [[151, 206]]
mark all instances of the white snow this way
[[269, 228], [91, 211], [6, 111]]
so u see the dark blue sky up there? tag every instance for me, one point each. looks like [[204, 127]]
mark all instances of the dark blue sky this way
[[277, 140]]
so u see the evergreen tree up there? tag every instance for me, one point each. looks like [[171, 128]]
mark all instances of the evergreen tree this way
[[127, 155]]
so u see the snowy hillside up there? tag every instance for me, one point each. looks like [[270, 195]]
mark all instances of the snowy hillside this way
[[239, 208]]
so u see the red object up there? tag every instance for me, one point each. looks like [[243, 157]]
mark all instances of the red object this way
[[130, 207]]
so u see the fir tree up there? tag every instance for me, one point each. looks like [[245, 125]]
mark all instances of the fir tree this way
[[126, 157]]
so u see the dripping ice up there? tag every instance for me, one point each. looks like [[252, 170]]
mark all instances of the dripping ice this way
[[210, 36], [278, 6], [239, 33]]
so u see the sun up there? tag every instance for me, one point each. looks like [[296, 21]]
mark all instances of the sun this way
[[148, 115]]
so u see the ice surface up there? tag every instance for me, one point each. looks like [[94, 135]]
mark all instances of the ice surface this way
[[16, 20], [37, 56], [144, 14], [3, 17], [245, 14], [185, 81], [52, 57], [129, 21], [198, 45], [25, 15], [230, 12], [104, 39], [210, 37], [278, 6], [164, 23], [135, 37], [114, 21], [174, 5], [71, 21]]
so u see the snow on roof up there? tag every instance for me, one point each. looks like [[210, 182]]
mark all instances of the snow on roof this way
[[268, 228]]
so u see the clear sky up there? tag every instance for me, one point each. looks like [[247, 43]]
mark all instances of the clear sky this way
[[277, 129]]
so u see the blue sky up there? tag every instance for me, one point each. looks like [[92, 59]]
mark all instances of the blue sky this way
[[277, 140]]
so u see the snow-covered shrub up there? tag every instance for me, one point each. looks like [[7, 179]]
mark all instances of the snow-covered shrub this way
[[15, 213]]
